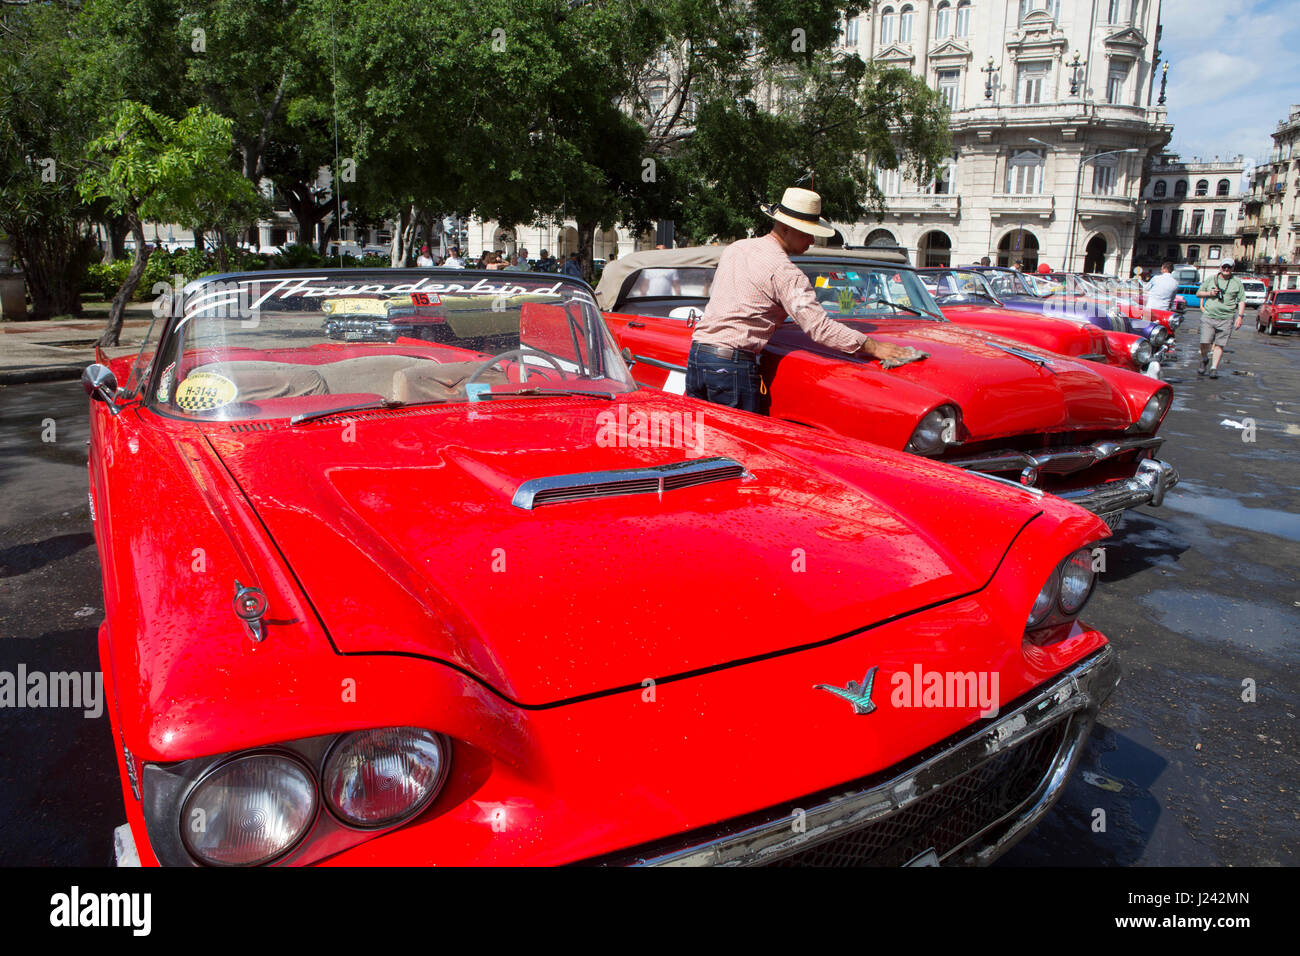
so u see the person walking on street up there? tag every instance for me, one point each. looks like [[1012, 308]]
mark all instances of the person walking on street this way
[[755, 287], [1222, 296], [1160, 291]]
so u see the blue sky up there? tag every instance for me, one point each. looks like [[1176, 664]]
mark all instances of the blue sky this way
[[1232, 73]]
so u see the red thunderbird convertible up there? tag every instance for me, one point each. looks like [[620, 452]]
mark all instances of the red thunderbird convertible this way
[[402, 567]]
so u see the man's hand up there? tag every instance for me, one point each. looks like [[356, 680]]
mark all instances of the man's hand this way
[[892, 356], [1238, 325]]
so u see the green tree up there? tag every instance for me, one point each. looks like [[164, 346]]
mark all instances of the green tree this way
[[42, 132], [151, 167]]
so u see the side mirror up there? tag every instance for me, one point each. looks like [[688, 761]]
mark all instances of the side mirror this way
[[627, 357], [100, 383]]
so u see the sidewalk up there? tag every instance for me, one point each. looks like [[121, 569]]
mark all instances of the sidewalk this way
[[62, 348]]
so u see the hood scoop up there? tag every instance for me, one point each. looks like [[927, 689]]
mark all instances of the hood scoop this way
[[585, 486]]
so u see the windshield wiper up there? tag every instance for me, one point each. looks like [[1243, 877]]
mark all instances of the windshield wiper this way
[[545, 392], [906, 308], [305, 417]]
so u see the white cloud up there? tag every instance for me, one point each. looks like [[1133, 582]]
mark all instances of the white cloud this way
[[1230, 75]]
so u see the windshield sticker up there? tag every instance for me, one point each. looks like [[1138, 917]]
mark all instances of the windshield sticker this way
[[204, 391], [852, 275], [821, 282], [165, 383]]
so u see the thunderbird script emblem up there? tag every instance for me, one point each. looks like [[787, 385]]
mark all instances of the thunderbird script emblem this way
[[859, 695]]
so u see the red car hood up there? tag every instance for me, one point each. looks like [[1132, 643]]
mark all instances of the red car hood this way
[[1075, 338], [405, 540], [1000, 393]]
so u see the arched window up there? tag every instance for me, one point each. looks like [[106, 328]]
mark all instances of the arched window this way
[[905, 25], [1180, 189], [886, 26], [963, 18], [1202, 187], [1193, 253], [1160, 189], [1224, 188], [942, 21]]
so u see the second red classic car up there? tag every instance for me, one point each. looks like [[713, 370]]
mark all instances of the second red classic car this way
[[401, 567], [1081, 430]]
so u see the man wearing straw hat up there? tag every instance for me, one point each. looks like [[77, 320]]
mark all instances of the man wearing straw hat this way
[[754, 288]]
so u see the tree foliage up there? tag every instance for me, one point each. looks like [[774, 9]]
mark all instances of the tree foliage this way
[[150, 167]]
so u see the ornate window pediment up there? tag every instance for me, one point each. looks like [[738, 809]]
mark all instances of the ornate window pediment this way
[[951, 51], [1126, 42], [1037, 38], [895, 55]]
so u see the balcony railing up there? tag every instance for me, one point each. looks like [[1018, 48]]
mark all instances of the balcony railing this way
[[1022, 207], [923, 205]]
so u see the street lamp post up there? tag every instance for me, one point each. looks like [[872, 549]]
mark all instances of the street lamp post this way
[[990, 69], [1078, 185]]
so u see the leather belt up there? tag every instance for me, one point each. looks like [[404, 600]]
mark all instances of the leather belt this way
[[723, 352]]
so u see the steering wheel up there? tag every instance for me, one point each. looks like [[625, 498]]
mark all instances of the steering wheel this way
[[513, 353]]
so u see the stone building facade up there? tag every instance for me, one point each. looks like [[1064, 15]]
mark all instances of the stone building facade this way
[[1192, 212], [1052, 121], [1269, 239]]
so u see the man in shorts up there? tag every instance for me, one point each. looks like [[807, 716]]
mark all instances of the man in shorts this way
[[1222, 297]]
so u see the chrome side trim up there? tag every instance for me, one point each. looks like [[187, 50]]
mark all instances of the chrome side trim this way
[[657, 479], [1075, 696], [1057, 461]]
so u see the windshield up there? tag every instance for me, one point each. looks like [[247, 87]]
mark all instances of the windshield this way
[[858, 290], [1007, 283], [1288, 298], [950, 286], [261, 345]]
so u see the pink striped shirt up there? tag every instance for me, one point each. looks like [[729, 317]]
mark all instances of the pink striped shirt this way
[[755, 287]]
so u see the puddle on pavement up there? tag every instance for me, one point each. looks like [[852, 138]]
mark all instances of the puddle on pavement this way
[[1204, 615], [1230, 512]]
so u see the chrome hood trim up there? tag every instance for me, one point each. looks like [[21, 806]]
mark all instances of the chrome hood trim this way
[[584, 486]]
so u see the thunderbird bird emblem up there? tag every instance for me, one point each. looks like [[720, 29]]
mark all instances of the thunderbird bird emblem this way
[[859, 695]]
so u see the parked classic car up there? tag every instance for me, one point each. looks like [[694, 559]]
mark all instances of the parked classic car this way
[[1280, 312], [473, 597], [1081, 430], [967, 299]]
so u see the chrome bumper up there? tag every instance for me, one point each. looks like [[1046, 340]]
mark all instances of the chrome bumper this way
[[1069, 704], [1147, 486]]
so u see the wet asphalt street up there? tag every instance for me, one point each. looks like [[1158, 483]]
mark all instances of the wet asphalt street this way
[[1200, 597]]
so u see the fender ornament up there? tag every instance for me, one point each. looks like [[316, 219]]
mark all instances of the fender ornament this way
[[250, 605]]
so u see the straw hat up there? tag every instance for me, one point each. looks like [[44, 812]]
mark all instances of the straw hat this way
[[800, 209]]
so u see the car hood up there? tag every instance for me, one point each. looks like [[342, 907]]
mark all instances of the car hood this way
[[1069, 336], [405, 540], [1002, 393]]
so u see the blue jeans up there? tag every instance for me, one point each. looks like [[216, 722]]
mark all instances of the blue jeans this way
[[736, 383]]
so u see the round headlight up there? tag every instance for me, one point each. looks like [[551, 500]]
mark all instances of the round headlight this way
[[1140, 352], [378, 778], [249, 810], [1159, 336], [1046, 598], [936, 430], [1077, 578], [1151, 413]]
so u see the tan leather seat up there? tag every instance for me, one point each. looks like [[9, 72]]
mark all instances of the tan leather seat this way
[[431, 382], [255, 381], [367, 373]]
